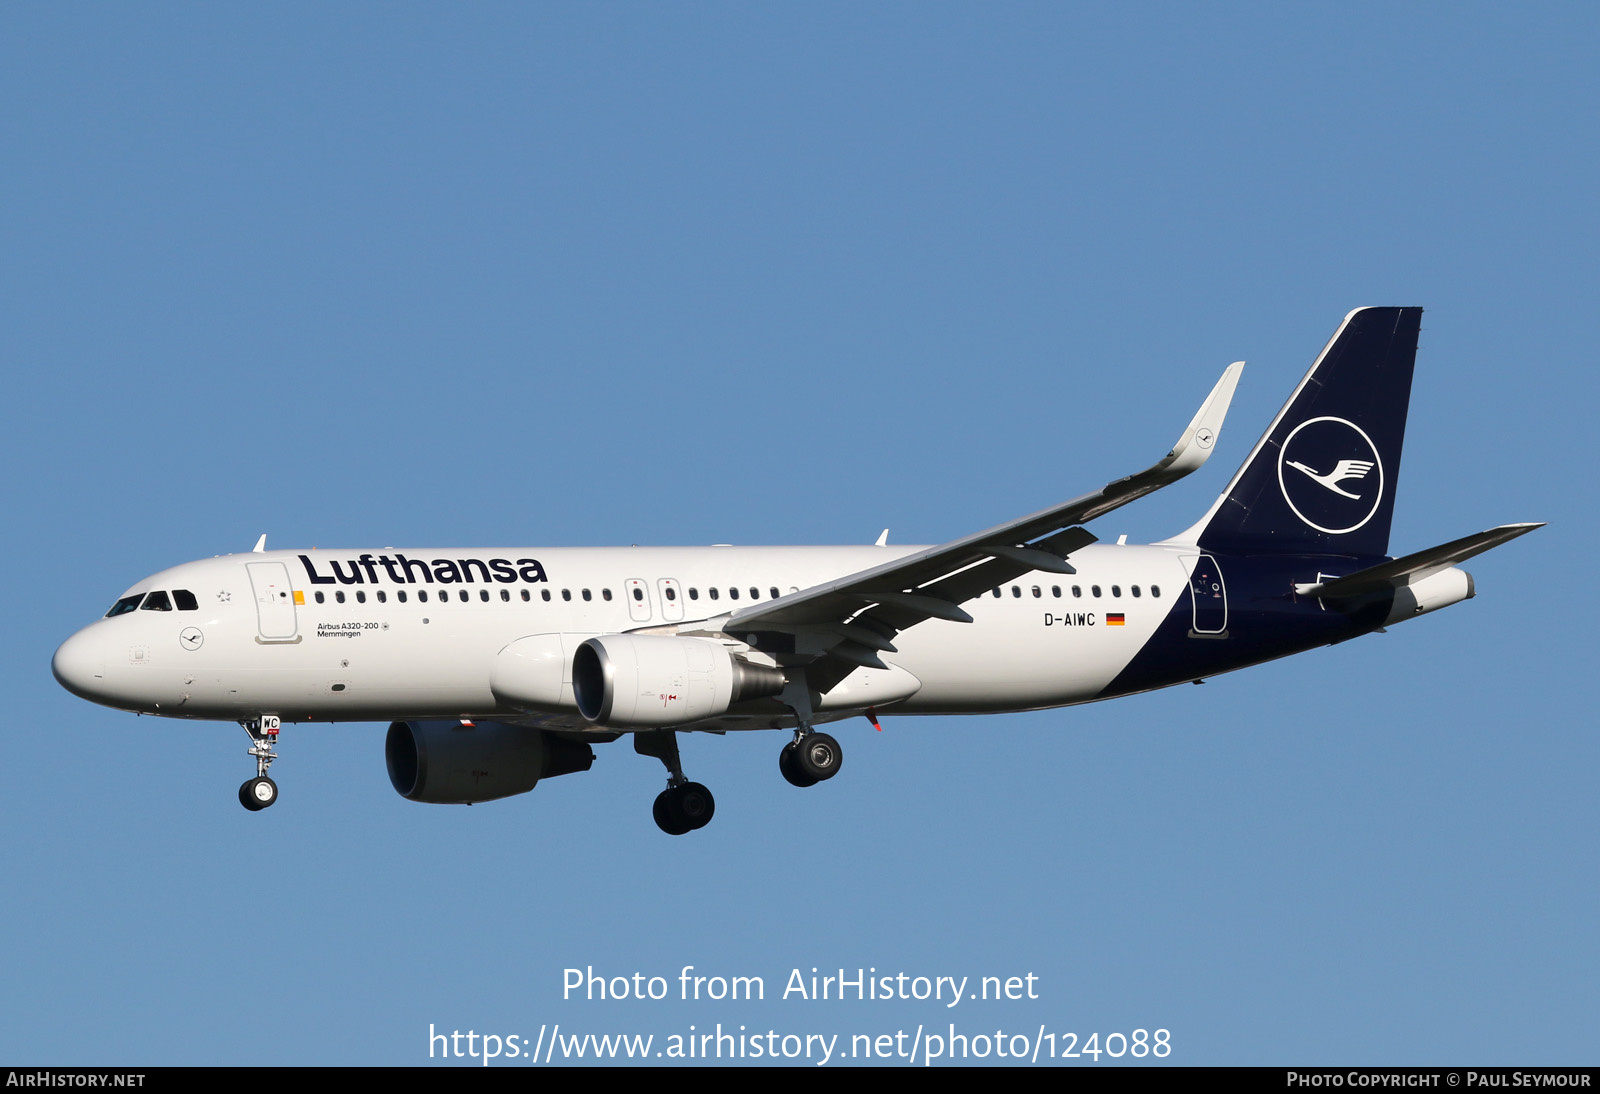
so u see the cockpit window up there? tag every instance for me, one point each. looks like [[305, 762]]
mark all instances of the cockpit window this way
[[157, 601], [185, 600], [125, 605]]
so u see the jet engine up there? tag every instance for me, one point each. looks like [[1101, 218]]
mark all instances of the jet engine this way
[[636, 681], [456, 762]]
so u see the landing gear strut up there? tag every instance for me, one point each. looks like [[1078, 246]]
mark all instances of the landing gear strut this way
[[258, 793], [683, 806], [811, 757]]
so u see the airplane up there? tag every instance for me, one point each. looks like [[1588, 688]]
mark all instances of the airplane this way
[[497, 668]]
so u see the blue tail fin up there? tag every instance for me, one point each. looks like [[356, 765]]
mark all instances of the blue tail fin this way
[[1322, 480]]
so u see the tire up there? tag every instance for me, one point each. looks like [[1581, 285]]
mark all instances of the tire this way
[[666, 815], [262, 792], [695, 805], [790, 768], [818, 756]]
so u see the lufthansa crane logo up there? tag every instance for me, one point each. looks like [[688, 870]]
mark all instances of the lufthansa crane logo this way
[[1331, 474]]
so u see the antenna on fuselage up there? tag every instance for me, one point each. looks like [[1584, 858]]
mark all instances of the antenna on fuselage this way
[[261, 545]]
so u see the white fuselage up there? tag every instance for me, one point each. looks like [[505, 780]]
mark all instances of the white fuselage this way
[[334, 635]]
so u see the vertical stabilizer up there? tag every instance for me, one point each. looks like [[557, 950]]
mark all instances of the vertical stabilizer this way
[[1322, 480]]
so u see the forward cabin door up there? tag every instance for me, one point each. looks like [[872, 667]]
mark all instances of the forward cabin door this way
[[275, 614]]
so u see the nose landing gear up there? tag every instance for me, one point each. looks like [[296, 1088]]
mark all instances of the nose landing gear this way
[[258, 793]]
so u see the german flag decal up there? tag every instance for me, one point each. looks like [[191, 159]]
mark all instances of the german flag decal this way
[[1113, 619]]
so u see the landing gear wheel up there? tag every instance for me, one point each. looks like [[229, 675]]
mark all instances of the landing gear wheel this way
[[817, 756], [791, 769], [667, 818], [258, 793], [683, 808], [695, 805]]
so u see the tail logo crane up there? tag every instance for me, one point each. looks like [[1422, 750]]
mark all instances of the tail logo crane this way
[[1333, 506]]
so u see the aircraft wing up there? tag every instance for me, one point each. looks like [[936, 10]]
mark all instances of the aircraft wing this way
[[931, 584]]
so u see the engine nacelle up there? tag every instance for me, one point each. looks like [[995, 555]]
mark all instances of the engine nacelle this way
[[456, 763], [639, 681], [535, 673]]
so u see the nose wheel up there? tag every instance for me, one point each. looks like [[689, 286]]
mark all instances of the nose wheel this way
[[258, 793]]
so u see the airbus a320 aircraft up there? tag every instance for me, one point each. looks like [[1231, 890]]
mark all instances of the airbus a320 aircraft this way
[[497, 668]]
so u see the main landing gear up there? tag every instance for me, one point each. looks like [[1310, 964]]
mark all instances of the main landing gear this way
[[683, 806], [810, 758], [258, 793]]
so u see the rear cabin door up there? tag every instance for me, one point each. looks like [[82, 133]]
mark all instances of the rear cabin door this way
[[1210, 597]]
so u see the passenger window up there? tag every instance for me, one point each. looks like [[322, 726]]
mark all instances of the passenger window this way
[[605, 594], [1036, 593], [1135, 590], [525, 596], [401, 595], [483, 595], [1055, 591], [544, 594], [422, 596], [1095, 589], [156, 602], [505, 596], [694, 594], [997, 592], [1116, 590], [712, 592], [463, 595], [339, 596], [672, 595], [638, 593], [1155, 591], [383, 597], [587, 595], [125, 605], [774, 592], [185, 600], [1016, 590], [320, 598], [566, 594], [755, 593]]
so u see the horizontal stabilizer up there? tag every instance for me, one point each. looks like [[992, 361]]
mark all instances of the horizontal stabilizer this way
[[1415, 567]]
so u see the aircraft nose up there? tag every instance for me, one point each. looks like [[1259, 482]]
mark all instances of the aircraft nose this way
[[80, 665]]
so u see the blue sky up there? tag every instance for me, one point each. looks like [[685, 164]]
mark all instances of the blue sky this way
[[616, 273]]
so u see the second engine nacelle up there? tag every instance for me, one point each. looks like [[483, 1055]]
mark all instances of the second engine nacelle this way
[[457, 763], [639, 681]]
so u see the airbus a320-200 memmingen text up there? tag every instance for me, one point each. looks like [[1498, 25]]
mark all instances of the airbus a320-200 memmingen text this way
[[497, 668]]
